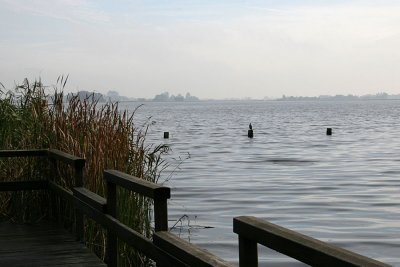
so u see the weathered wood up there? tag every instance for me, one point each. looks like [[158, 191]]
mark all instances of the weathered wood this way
[[137, 185], [23, 185], [94, 200], [23, 153], [78, 177], [250, 134], [248, 253], [186, 252], [43, 244], [61, 191], [129, 236], [72, 160], [160, 215], [112, 240], [298, 246]]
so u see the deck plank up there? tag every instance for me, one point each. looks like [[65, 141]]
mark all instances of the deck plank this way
[[43, 244]]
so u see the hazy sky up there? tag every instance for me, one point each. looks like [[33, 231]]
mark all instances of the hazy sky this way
[[212, 49]]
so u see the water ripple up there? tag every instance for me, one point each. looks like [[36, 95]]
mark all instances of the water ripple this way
[[343, 189]]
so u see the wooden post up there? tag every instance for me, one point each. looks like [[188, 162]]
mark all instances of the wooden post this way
[[250, 133], [79, 224], [248, 254], [328, 131], [166, 135], [53, 198], [112, 241], [160, 214]]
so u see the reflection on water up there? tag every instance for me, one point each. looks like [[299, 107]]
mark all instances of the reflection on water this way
[[344, 188]]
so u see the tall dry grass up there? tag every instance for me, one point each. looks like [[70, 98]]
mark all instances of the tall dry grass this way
[[20, 111], [99, 132]]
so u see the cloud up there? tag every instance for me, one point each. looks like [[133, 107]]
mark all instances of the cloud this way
[[73, 11], [292, 50]]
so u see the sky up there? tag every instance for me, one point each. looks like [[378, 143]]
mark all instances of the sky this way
[[212, 49]]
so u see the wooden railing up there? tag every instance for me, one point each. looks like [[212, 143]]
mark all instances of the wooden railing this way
[[165, 249], [253, 231]]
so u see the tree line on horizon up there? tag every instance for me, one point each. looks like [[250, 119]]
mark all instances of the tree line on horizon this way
[[113, 96], [378, 96]]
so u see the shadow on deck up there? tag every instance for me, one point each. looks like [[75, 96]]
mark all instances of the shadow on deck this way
[[43, 244]]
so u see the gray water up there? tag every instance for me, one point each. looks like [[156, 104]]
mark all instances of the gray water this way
[[343, 189]]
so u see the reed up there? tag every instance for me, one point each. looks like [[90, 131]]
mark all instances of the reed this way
[[99, 132], [20, 109]]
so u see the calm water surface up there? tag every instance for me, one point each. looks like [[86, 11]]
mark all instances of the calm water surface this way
[[343, 189]]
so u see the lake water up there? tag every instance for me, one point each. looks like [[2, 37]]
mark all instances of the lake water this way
[[343, 189]]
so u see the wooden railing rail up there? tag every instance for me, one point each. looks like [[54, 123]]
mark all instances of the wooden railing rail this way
[[23, 185], [126, 234], [78, 164], [54, 155], [187, 252], [253, 231], [23, 153], [160, 194]]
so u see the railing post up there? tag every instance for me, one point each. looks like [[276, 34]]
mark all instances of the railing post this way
[[248, 254], [112, 241], [79, 224], [160, 214], [53, 198]]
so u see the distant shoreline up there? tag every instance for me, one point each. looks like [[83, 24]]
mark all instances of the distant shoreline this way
[[113, 96], [259, 100]]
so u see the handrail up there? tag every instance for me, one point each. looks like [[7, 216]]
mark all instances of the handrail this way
[[160, 194], [253, 231], [72, 160], [23, 153], [54, 155], [23, 185], [137, 185], [186, 251], [128, 235], [78, 164]]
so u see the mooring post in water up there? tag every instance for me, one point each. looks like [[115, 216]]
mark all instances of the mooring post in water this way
[[250, 131], [166, 135], [328, 131]]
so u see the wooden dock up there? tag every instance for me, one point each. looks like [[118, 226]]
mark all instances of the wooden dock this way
[[43, 244]]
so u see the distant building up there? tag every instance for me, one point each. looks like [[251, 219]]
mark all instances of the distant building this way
[[82, 95], [180, 98]]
